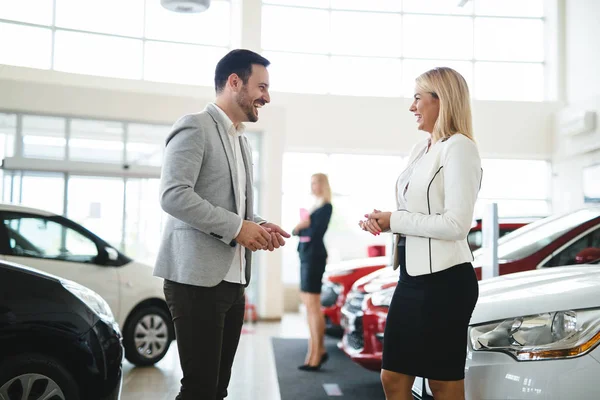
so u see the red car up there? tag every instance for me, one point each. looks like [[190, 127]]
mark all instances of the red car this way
[[338, 280], [572, 238]]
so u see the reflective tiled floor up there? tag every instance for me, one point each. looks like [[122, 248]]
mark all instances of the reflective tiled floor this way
[[253, 376]]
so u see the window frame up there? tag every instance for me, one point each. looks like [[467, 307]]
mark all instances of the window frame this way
[[473, 16]]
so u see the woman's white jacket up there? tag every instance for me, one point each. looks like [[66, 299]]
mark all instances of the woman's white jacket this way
[[440, 202]]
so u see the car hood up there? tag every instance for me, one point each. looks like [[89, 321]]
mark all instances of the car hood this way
[[377, 280], [539, 291], [347, 266]]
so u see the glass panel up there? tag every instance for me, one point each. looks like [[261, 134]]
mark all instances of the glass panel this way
[[143, 219], [37, 41], [43, 238], [8, 130], [255, 140], [591, 184], [285, 28], [195, 64], [371, 5], [439, 37], [369, 76], [297, 170], [436, 7], [299, 73], [32, 11], [210, 27], [411, 69], [145, 144], [44, 137], [92, 54], [568, 255], [97, 204], [108, 16], [506, 39], [96, 141], [515, 179], [302, 3], [509, 8], [509, 81], [379, 34], [44, 191]]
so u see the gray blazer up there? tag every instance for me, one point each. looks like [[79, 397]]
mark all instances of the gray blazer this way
[[199, 192]]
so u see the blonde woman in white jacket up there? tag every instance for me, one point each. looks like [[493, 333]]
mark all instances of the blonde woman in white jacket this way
[[426, 328]]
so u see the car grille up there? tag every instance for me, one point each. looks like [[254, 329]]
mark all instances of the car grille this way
[[355, 338], [328, 295], [354, 302]]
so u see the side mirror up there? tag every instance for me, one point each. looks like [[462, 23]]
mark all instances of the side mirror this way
[[587, 255], [105, 255]]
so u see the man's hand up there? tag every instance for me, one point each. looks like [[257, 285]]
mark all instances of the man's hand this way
[[253, 236], [277, 235]]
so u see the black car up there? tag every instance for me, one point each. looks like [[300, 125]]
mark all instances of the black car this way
[[58, 339]]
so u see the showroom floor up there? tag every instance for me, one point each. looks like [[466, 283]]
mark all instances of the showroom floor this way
[[254, 375]]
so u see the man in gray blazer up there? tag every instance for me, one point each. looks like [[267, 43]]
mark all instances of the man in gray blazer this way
[[205, 256]]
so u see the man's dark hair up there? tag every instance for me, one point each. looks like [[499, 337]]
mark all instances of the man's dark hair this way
[[237, 62]]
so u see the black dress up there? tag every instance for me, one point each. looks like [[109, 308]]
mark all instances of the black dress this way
[[313, 255], [427, 322]]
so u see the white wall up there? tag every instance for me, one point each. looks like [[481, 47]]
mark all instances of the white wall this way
[[292, 122], [582, 82]]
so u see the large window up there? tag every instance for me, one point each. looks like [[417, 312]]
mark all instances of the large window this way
[[77, 153], [135, 39], [378, 48], [359, 184], [520, 187]]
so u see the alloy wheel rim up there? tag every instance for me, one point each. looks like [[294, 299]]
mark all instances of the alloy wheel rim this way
[[31, 387], [150, 336]]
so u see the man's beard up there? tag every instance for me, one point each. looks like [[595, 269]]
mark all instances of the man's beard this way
[[247, 105]]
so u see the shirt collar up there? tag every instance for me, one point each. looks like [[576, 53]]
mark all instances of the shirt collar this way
[[231, 129]]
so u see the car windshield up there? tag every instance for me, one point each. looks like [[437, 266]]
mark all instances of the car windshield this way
[[527, 240]]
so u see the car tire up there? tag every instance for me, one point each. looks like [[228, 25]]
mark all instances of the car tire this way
[[147, 336], [47, 373]]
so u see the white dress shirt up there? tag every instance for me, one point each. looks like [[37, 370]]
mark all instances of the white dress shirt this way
[[237, 271]]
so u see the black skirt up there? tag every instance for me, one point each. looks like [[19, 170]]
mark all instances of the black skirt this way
[[427, 322], [311, 274]]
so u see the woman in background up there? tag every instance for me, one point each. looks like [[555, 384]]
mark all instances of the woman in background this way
[[313, 257]]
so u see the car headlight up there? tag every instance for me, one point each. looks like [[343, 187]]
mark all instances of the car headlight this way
[[383, 298], [91, 299], [562, 334]]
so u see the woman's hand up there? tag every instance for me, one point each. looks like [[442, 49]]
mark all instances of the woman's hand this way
[[370, 225], [382, 219]]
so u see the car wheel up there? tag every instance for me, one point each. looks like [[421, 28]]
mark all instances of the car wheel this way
[[36, 377], [147, 336]]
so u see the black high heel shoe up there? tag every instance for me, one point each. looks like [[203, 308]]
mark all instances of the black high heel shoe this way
[[307, 367]]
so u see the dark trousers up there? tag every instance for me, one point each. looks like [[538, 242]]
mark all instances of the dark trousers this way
[[208, 324]]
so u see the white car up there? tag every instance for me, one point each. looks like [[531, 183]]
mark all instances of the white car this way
[[534, 335], [59, 246]]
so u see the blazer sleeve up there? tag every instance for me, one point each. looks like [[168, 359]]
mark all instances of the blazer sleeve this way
[[462, 180], [181, 167], [319, 221]]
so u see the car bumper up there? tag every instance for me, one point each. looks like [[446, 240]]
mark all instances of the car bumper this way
[[491, 375], [361, 341], [108, 354]]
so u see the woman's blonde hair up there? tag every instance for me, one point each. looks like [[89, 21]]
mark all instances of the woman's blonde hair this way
[[324, 182], [451, 89]]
